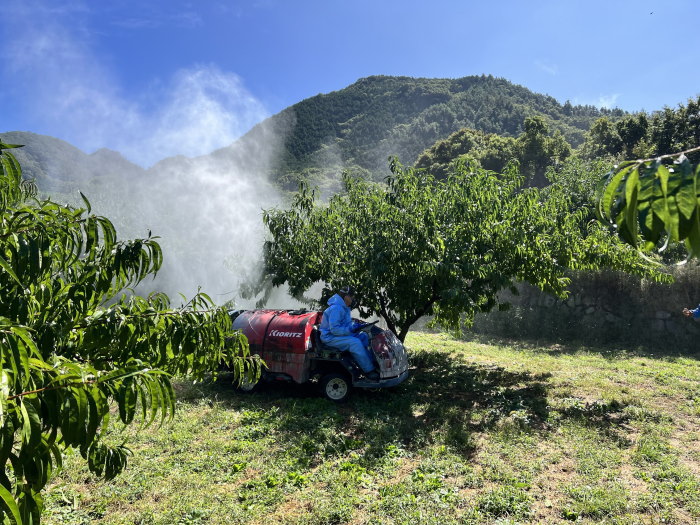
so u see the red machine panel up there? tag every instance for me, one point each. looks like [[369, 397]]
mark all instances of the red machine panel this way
[[281, 338], [253, 324]]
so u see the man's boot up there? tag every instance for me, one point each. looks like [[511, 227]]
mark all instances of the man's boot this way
[[372, 376]]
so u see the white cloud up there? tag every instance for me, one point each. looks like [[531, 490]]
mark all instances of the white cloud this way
[[201, 109], [608, 101], [547, 67], [603, 101], [71, 89], [155, 19]]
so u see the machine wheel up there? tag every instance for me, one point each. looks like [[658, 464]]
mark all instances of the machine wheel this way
[[336, 387]]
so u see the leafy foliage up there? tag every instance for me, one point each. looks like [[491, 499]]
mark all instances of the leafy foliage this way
[[492, 151], [579, 179], [74, 342], [538, 150], [420, 246], [655, 202], [535, 150], [644, 135]]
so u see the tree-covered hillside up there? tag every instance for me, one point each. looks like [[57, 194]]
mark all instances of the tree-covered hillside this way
[[59, 167], [356, 128], [644, 135], [380, 116], [537, 148]]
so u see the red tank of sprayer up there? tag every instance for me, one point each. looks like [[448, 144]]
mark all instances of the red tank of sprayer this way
[[289, 343], [282, 338]]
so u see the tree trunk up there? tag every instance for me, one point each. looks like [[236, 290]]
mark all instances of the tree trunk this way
[[406, 325], [409, 321]]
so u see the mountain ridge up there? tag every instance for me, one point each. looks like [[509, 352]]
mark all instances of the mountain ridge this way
[[378, 116], [359, 127]]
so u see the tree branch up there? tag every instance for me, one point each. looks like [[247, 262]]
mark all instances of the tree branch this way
[[420, 312], [669, 155], [385, 314]]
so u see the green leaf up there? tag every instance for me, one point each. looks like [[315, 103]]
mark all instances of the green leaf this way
[[10, 146], [6, 266], [10, 506], [4, 394], [31, 424], [11, 167], [630, 216], [659, 203], [86, 202], [612, 187], [692, 240], [127, 401]]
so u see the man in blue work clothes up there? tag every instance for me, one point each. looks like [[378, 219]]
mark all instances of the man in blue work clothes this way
[[339, 331], [695, 314]]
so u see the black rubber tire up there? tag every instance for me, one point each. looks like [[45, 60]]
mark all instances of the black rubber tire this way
[[336, 387]]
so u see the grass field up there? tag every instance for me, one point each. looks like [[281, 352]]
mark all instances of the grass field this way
[[479, 433]]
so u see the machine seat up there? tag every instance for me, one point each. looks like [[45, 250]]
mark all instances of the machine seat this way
[[322, 349]]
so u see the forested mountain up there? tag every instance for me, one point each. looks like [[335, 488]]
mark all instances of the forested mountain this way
[[57, 166], [357, 128], [380, 116]]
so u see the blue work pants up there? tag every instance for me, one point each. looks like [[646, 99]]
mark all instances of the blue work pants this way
[[356, 345]]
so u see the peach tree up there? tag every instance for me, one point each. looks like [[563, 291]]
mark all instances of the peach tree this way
[[77, 347], [417, 246]]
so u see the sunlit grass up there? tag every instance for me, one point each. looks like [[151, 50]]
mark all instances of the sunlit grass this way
[[480, 433]]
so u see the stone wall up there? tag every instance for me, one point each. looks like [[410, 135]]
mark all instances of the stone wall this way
[[605, 308]]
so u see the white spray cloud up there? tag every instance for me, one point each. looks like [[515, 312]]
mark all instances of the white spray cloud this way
[[205, 109], [69, 88], [208, 214], [207, 209]]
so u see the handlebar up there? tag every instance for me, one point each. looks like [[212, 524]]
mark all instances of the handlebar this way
[[366, 325]]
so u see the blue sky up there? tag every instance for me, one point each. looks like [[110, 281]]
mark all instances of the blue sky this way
[[155, 78]]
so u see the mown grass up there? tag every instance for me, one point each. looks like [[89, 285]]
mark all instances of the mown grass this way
[[480, 433]]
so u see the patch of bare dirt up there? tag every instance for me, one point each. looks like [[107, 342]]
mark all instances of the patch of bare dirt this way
[[546, 490]]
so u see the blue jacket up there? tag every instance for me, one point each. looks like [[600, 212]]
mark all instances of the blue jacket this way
[[336, 320], [696, 312]]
